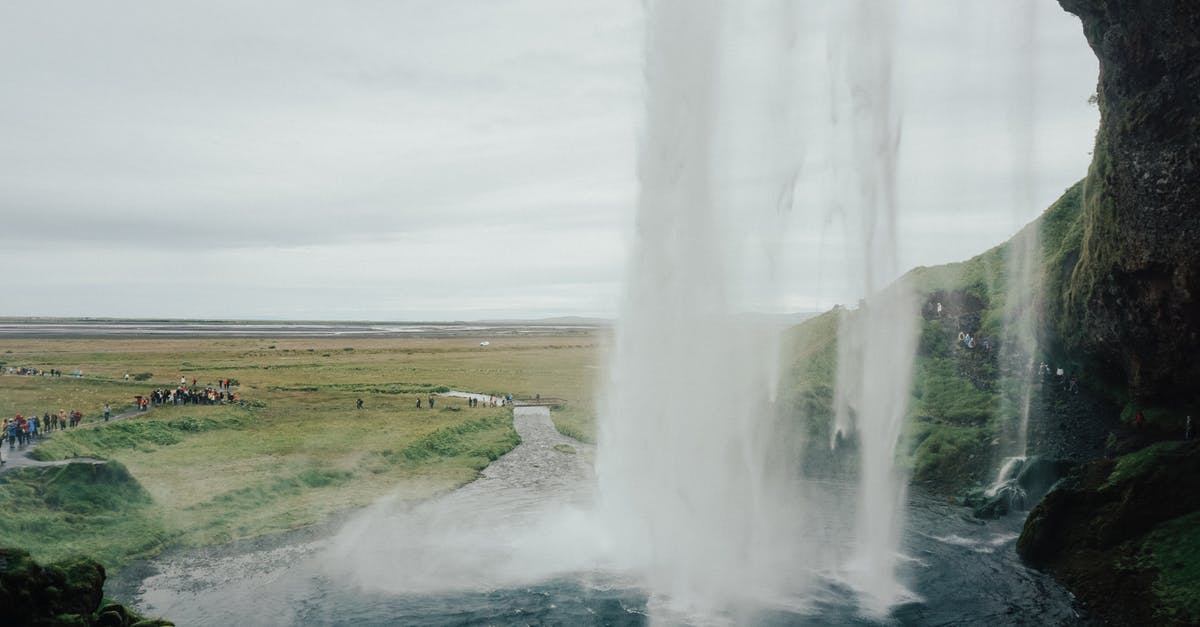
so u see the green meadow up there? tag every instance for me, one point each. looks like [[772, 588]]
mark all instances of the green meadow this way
[[295, 454]]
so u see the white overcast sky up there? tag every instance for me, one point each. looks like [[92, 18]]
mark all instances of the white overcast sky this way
[[459, 160]]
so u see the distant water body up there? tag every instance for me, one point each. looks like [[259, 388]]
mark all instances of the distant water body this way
[[200, 329]]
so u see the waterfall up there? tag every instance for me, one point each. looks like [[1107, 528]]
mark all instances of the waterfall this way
[[695, 495], [696, 473], [1022, 272], [877, 341]]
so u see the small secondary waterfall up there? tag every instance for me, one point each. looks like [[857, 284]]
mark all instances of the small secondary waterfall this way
[[1024, 284], [1022, 272]]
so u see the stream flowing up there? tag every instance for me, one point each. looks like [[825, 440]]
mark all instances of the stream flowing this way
[[515, 547]]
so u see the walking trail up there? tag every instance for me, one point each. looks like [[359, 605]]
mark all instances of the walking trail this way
[[19, 457]]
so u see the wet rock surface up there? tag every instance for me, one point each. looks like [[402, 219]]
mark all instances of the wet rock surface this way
[[1068, 426], [1026, 482], [1089, 530], [1126, 306], [1131, 302]]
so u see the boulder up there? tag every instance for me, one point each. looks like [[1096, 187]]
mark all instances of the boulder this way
[[63, 594], [67, 592], [1037, 475], [1090, 529]]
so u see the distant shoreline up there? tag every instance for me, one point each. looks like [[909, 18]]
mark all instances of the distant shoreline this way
[[95, 328], [35, 327]]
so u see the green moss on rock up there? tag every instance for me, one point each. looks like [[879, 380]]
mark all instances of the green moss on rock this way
[[1115, 532], [69, 592], [1132, 301], [1173, 550]]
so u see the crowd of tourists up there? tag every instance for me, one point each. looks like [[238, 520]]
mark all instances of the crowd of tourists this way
[[22, 429], [37, 372], [490, 401], [970, 342], [184, 395]]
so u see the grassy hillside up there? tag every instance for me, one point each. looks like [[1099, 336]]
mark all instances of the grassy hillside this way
[[965, 401], [97, 510]]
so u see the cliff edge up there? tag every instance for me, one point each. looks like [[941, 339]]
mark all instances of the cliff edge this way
[[1131, 303], [1124, 532]]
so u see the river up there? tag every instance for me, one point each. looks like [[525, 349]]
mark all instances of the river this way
[[516, 547]]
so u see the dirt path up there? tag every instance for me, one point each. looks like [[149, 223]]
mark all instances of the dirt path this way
[[486, 399], [18, 457]]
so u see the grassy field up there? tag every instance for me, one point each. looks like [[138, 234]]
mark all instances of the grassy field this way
[[297, 453]]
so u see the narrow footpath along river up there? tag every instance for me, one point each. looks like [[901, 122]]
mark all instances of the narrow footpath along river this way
[[19, 457], [515, 547]]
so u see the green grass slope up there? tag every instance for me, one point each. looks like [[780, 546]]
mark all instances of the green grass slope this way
[[963, 400], [98, 510]]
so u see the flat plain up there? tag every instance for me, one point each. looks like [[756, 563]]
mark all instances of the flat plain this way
[[296, 453]]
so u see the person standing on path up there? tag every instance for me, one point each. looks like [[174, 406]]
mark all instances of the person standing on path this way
[[107, 411]]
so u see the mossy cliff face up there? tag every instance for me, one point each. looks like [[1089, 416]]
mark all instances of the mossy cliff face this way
[[1132, 303], [1124, 534], [68, 592]]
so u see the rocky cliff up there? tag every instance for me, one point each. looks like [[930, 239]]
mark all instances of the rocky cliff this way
[[1124, 532], [1131, 305]]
